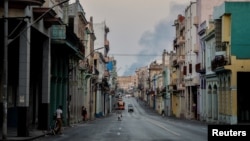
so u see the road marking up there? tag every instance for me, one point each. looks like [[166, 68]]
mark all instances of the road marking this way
[[158, 124]]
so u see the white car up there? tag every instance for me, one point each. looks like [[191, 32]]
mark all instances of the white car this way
[[130, 108]]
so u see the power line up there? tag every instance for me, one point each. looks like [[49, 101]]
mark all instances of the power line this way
[[120, 54]]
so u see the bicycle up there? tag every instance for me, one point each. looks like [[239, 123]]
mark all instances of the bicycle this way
[[119, 113], [53, 128]]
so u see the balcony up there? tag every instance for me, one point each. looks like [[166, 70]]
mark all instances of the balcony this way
[[180, 40], [196, 49], [162, 90], [196, 80], [106, 43], [174, 58], [173, 70], [198, 69], [59, 11], [181, 87], [173, 82], [218, 61], [49, 18], [175, 64], [221, 47], [175, 43], [106, 74], [172, 88], [181, 59], [107, 59], [84, 65], [22, 3], [195, 21], [58, 32]]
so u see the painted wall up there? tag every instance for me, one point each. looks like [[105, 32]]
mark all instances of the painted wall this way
[[239, 11]]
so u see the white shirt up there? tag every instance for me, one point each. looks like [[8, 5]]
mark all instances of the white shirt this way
[[58, 113]]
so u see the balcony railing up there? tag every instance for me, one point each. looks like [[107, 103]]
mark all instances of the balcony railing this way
[[181, 86], [174, 58], [172, 88], [58, 32], [199, 69], [173, 81], [23, 3], [181, 59], [195, 21], [175, 43], [218, 61], [106, 74], [221, 47], [175, 63], [106, 43], [196, 80], [181, 40]]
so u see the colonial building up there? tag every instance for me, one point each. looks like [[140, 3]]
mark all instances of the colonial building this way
[[202, 21], [231, 56], [51, 62], [142, 82], [155, 82], [191, 77], [30, 64], [178, 103], [100, 61]]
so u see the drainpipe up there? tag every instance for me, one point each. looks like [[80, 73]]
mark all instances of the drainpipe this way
[[91, 99], [5, 71], [68, 94]]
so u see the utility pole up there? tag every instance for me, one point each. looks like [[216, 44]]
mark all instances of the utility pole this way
[[5, 70]]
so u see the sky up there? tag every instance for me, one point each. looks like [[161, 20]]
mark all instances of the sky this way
[[139, 29]]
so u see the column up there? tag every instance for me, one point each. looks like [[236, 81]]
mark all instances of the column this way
[[24, 81], [44, 115]]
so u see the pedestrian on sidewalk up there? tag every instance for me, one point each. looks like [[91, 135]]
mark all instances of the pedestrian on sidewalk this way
[[84, 113], [59, 119], [163, 113]]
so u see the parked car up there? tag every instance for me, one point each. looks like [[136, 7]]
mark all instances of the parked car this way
[[130, 108]]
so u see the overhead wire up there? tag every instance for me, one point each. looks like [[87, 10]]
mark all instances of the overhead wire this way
[[121, 54]]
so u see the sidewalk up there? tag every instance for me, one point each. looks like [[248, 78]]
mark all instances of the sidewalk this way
[[12, 135], [34, 134], [146, 106]]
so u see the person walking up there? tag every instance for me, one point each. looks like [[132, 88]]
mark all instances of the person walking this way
[[59, 119], [84, 113]]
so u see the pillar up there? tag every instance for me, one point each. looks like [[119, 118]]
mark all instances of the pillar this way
[[24, 81], [44, 114]]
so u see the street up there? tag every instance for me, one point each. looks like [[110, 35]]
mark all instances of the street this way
[[141, 125]]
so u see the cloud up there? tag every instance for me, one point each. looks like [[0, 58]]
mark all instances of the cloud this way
[[136, 27], [154, 42]]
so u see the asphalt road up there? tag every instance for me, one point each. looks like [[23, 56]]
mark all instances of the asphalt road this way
[[141, 125]]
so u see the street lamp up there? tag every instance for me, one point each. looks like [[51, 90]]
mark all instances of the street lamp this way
[[94, 51], [5, 66], [37, 19], [83, 59]]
